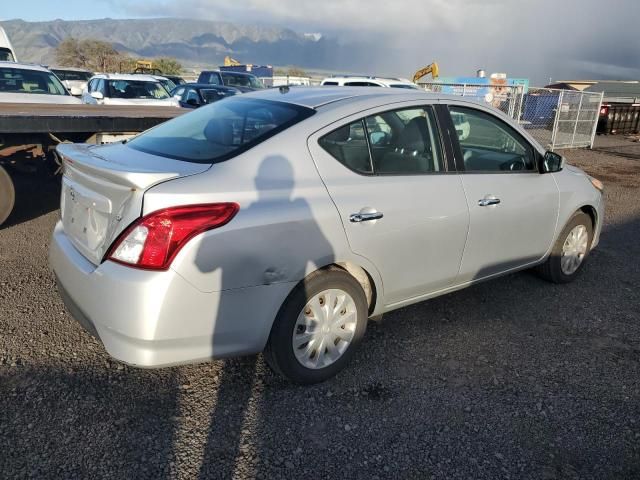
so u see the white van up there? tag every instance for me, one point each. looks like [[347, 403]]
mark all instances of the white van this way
[[6, 50]]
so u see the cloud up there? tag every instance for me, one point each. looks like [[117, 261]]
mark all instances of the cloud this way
[[533, 38]]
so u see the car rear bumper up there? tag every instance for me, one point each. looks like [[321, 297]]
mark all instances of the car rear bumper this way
[[155, 319]]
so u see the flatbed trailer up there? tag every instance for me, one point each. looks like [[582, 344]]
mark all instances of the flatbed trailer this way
[[29, 134]]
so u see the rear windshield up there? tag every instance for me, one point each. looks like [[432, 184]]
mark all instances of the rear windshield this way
[[240, 80], [221, 130], [72, 75]]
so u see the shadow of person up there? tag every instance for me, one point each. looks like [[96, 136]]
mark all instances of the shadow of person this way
[[276, 240]]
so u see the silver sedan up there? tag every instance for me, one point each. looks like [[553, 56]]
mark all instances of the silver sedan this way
[[280, 221]]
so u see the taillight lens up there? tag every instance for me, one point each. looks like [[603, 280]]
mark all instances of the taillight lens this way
[[153, 241]]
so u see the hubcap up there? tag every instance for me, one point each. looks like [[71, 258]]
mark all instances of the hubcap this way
[[325, 328], [574, 249]]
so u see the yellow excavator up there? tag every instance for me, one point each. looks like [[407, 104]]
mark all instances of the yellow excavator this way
[[429, 69], [231, 62]]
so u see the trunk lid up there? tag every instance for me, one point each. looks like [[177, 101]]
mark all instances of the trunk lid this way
[[103, 189]]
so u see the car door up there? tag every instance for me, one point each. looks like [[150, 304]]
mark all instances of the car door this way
[[401, 204], [513, 207]]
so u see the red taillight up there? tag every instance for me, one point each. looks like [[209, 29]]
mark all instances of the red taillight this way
[[153, 241]]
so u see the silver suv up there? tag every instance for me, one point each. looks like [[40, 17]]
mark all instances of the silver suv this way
[[280, 221]]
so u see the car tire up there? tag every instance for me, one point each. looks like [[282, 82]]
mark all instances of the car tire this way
[[311, 313], [7, 195], [570, 251]]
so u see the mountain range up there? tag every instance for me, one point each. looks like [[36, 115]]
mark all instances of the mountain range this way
[[192, 42]]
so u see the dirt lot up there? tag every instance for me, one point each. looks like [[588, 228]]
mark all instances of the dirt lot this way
[[514, 378]]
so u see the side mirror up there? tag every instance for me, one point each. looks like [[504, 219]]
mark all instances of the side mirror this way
[[552, 162], [97, 95], [193, 102], [76, 91]]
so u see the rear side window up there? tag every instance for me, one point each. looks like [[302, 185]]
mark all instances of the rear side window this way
[[221, 130], [330, 83], [348, 145]]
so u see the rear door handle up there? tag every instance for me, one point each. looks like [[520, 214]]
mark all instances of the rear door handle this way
[[365, 217], [488, 201]]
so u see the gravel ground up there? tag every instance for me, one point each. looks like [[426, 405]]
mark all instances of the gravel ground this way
[[513, 378]]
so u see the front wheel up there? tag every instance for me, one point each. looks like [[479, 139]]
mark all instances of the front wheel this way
[[7, 195], [570, 250], [318, 327]]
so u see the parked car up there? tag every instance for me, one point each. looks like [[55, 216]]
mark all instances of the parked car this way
[[74, 79], [273, 222], [194, 95], [245, 82], [7, 53], [176, 79], [355, 81], [126, 89], [26, 83]]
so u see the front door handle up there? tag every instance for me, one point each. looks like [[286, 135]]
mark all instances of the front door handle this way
[[488, 201], [365, 217]]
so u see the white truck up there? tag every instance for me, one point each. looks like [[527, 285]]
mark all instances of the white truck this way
[[7, 53]]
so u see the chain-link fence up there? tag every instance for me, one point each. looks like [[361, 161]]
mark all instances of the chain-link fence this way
[[556, 118]]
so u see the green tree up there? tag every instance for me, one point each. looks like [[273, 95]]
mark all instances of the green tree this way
[[94, 55], [168, 66]]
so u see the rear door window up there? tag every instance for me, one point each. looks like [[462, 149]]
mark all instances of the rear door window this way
[[221, 130], [396, 142]]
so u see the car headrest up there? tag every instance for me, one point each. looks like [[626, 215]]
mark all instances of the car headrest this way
[[219, 131]]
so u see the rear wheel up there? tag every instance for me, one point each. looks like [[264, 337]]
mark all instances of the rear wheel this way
[[570, 250], [7, 195], [318, 327]]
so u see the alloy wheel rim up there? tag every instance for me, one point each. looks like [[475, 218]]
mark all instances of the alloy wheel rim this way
[[324, 329], [574, 249]]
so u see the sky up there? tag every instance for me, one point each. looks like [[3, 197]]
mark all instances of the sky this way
[[539, 39]]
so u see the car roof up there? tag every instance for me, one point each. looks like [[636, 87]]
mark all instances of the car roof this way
[[126, 76], [24, 66], [315, 97]]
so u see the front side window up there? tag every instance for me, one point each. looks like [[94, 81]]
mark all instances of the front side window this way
[[404, 85], [219, 131], [488, 144], [400, 142], [132, 89], [17, 80], [332, 84]]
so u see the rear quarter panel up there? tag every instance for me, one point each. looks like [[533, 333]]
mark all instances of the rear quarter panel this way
[[286, 228]]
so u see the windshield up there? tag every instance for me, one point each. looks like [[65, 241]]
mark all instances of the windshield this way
[[168, 84], [220, 130], [6, 55], [72, 75], [18, 80], [240, 80], [133, 89]]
